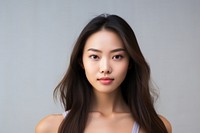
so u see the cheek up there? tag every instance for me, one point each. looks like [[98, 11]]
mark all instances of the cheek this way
[[123, 66], [122, 70], [89, 67]]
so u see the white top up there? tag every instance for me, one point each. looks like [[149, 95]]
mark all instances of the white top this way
[[134, 130]]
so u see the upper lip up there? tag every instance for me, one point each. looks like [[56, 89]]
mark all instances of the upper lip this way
[[105, 78]]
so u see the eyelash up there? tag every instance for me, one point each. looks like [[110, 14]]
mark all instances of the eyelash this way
[[93, 57], [116, 57], [119, 57]]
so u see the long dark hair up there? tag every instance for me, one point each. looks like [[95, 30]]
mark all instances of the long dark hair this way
[[75, 92]]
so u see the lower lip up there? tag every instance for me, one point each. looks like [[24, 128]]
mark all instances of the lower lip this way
[[105, 81]]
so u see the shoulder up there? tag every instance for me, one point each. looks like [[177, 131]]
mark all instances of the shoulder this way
[[167, 123], [49, 124]]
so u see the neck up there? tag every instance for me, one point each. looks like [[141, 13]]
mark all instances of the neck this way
[[108, 103]]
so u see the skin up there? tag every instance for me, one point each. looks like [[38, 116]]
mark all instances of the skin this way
[[103, 56]]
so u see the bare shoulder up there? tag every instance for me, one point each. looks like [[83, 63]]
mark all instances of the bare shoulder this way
[[167, 123], [49, 124]]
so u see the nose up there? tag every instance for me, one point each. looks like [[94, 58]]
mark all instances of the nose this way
[[105, 67]]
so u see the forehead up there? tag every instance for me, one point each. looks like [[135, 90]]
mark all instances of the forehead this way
[[104, 40]]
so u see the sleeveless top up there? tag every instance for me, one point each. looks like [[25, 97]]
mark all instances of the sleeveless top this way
[[135, 128]]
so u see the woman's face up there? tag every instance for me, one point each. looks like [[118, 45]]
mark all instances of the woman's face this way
[[105, 61]]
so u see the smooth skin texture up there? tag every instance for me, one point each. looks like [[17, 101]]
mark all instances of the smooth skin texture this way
[[104, 57], [105, 62]]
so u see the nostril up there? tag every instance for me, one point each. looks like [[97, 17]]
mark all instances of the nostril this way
[[106, 71]]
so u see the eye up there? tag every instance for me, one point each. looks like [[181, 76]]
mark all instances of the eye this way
[[117, 57], [94, 57]]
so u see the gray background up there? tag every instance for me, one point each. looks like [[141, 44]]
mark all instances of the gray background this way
[[36, 38]]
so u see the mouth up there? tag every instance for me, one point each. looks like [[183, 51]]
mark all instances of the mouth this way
[[105, 80]]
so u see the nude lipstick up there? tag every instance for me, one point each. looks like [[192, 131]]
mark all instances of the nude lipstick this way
[[105, 80]]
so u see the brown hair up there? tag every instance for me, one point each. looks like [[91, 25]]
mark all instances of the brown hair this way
[[75, 92]]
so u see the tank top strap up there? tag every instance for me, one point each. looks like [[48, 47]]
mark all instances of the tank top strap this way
[[135, 128], [65, 114]]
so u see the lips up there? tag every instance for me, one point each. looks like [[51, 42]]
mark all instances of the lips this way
[[105, 80]]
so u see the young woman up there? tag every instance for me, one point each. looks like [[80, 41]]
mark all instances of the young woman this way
[[106, 88]]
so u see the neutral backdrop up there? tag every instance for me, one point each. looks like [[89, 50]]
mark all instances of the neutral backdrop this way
[[36, 38]]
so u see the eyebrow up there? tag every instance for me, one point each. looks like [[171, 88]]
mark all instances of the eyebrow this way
[[112, 51]]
